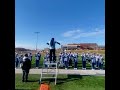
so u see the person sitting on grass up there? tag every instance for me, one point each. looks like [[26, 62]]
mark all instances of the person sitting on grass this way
[[26, 65]]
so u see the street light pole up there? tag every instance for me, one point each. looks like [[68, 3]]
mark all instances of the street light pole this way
[[37, 40]]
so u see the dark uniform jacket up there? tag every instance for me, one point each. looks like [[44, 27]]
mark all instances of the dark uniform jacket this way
[[26, 64]]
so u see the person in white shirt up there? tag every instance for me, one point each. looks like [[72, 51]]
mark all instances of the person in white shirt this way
[[52, 49]]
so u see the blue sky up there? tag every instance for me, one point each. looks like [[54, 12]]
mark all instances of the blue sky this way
[[68, 21]]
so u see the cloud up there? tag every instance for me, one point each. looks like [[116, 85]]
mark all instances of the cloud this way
[[24, 45], [75, 34], [97, 32], [71, 33]]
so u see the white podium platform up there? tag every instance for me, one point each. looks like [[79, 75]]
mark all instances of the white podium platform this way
[[49, 69]]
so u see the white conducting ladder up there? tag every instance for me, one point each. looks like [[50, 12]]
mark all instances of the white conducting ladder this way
[[52, 68]]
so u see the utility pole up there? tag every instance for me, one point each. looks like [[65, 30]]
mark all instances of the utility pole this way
[[37, 39]]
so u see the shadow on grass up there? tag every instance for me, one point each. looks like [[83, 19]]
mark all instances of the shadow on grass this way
[[63, 80], [32, 80], [69, 78]]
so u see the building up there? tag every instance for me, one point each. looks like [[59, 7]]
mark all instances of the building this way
[[101, 47], [90, 46], [70, 47], [74, 46], [46, 49]]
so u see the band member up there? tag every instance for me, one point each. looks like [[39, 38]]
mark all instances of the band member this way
[[30, 56], [75, 56], [60, 58], [89, 58], [21, 59], [66, 60], [86, 55], [48, 57], [16, 61], [45, 61], [70, 59], [97, 60], [93, 61], [101, 62], [83, 61], [37, 57]]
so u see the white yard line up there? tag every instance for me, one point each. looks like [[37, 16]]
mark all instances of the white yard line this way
[[63, 71]]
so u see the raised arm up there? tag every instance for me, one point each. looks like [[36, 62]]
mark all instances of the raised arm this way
[[57, 42], [47, 43]]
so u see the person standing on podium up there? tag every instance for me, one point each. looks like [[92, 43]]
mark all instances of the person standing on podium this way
[[52, 49]]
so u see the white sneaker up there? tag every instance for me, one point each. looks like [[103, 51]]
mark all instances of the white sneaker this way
[[65, 68]]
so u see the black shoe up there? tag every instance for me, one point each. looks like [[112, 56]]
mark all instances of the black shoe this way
[[22, 80], [26, 81]]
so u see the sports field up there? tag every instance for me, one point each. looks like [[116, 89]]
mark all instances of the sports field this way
[[64, 82]]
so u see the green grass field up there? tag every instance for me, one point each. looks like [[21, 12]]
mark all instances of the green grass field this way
[[64, 82]]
